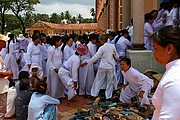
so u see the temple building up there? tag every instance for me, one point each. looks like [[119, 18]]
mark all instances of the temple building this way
[[116, 14], [52, 28]]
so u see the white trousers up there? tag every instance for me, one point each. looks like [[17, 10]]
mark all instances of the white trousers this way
[[105, 78]]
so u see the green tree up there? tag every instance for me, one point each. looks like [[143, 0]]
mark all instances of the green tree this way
[[67, 16], [11, 22], [62, 16], [42, 17], [19, 7], [55, 18], [4, 6], [79, 18], [73, 20], [93, 14]]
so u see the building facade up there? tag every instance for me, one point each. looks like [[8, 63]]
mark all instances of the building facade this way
[[52, 28], [116, 14]]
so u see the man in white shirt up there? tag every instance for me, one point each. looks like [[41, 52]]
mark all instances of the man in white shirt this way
[[106, 74]]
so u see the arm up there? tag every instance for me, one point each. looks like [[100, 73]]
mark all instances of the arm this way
[[29, 51], [74, 70], [149, 30], [51, 100], [96, 56], [49, 61]]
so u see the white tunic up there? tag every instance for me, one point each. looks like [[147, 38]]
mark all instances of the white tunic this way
[[86, 74], [171, 16], [10, 60], [23, 44], [37, 105], [55, 87], [122, 45], [34, 54], [148, 32], [106, 76], [137, 82], [69, 73], [167, 94], [67, 53]]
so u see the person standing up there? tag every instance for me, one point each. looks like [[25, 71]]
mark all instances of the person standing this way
[[34, 52], [86, 74], [10, 58], [55, 87], [166, 43], [148, 32], [68, 72], [106, 74]]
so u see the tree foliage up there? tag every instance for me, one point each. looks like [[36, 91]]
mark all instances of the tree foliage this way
[[23, 15], [4, 6], [20, 7]]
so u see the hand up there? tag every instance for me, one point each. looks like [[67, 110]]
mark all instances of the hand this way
[[83, 64], [56, 70], [75, 85], [123, 87], [141, 93]]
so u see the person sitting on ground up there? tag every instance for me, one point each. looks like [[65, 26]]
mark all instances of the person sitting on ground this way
[[22, 100], [22, 74], [139, 84], [42, 106], [36, 74]]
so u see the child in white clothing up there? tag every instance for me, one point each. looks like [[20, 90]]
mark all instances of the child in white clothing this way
[[42, 106]]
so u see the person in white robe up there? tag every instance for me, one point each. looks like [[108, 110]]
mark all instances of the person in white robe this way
[[55, 87], [86, 74], [68, 72], [10, 58], [68, 50], [172, 15], [158, 23], [23, 42], [167, 94], [138, 84], [42, 106], [34, 52], [121, 46], [106, 74], [44, 47], [148, 32]]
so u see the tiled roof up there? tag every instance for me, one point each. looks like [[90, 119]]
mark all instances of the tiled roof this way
[[65, 26]]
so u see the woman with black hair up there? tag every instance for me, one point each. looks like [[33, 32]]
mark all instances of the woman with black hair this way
[[148, 31], [10, 58], [42, 106], [34, 52], [166, 44], [67, 48], [55, 86], [22, 100]]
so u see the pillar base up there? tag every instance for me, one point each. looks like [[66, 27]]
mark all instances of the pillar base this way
[[138, 47]]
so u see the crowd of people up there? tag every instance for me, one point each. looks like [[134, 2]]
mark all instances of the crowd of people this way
[[47, 69]]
